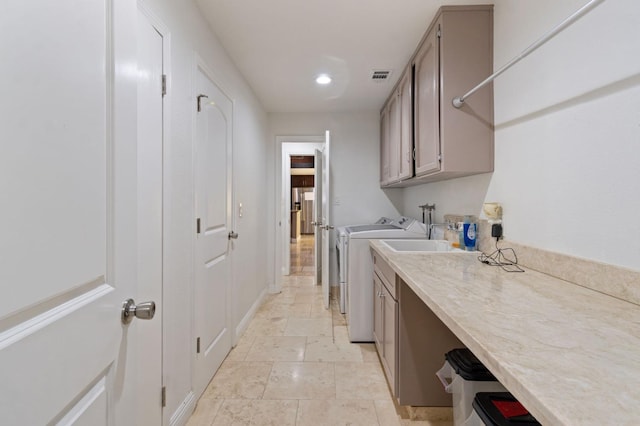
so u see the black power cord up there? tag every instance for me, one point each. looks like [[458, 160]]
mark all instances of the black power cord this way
[[503, 257]]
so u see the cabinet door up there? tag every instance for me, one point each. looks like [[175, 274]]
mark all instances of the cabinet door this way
[[406, 128], [378, 330], [394, 137], [384, 147], [426, 104], [390, 314]]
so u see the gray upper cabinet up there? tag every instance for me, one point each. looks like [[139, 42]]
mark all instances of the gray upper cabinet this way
[[385, 177], [406, 126], [455, 54], [396, 130], [427, 104]]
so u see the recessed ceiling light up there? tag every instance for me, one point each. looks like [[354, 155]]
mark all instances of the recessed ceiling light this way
[[323, 79]]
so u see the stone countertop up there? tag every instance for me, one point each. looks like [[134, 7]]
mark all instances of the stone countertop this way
[[571, 355]]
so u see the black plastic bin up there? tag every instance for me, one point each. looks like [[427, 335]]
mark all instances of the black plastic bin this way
[[499, 409], [463, 375], [465, 363]]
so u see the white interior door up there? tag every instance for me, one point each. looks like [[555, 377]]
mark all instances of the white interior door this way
[[150, 141], [213, 336], [68, 216], [317, 217], [326, 218]]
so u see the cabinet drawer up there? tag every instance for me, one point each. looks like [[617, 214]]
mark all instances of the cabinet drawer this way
[[386, 273]]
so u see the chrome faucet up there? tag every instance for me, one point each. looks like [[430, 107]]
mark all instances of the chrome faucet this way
[[433, 225], [427, 220]]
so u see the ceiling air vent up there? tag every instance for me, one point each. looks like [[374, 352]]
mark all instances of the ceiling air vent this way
[[380, 75]]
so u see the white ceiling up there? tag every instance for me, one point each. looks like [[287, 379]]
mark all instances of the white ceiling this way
[[280, 46]]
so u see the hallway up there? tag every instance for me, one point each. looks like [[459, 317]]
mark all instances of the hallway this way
[[301, 256], [294, 365]]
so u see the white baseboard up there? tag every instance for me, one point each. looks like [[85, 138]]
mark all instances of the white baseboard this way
[[181, 416]]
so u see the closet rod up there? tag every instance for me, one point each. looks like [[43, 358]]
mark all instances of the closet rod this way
[[459, 101]]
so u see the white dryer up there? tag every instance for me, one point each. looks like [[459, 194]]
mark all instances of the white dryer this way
[[357, 269]]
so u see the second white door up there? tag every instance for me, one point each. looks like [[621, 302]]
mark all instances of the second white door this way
[[213, 335], [323, 228]]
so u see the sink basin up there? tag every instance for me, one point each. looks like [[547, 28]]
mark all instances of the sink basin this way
[[420, 245]]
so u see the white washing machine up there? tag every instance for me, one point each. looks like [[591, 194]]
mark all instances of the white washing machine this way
[[342, 240], [356, 269]]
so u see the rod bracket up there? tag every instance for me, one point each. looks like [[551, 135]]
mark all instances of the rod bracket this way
[[457, 102]]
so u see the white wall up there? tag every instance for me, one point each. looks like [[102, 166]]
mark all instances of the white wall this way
[[354, 168], [567, 133], [190, 34]]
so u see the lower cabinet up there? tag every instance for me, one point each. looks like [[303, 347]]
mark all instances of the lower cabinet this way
[[385, 314], [410, 339], [378, 315]]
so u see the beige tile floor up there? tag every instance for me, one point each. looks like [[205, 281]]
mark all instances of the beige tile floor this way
[[294, 365], [301, 256]]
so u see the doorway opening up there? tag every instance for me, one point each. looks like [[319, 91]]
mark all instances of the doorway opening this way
[[294, 147], [303, 199], [318, 146]]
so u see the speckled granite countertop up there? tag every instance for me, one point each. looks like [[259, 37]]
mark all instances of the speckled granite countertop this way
[[571, 355]]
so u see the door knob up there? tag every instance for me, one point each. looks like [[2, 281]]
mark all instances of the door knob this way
[[327, 227], [233, 235], [144, 310]]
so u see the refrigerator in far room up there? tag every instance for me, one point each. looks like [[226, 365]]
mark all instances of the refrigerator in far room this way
[[303, 199]]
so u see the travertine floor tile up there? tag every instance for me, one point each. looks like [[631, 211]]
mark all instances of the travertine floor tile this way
[[286, 295], [324, 349], [308, 327], [272, 379], [266, 327], [307, 297], [239, 380], [435, 415], [318, 305], [300, 310], [341, 334], [277, 348], [301, 380], [319, 311], [241, 349], [205, 412], [369, 352], [336, 412], [338, 318], [360, 381], [386, 412], [309, 289], [257, 412]]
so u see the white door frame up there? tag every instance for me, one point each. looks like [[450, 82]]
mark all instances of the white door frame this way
[[289, 145], [154, 291]]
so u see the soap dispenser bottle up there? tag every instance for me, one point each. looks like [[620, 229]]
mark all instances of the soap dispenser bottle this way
[[460, 232], [470, 231]]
